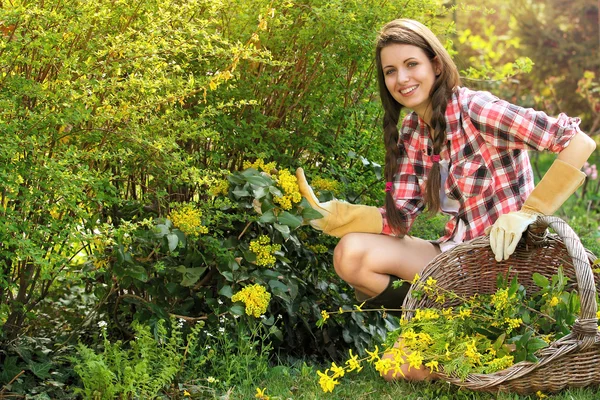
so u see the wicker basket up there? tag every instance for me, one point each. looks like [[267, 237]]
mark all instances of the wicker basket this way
[[469, 268]]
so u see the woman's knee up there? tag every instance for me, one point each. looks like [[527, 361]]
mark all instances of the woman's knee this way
[[348, 256]]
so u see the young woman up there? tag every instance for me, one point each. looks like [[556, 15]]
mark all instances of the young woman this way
[[460, 152]]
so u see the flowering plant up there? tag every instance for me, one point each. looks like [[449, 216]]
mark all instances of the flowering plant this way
[[482, 333]]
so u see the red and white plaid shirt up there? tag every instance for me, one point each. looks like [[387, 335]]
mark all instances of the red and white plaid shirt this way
[[489, 173]]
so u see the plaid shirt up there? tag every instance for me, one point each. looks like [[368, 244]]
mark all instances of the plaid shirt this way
[[487, 145]]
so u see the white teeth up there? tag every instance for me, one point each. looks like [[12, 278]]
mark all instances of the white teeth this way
[[410, 89]]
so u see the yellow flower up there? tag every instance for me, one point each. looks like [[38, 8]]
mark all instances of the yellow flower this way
[[338, 371], [540, 395], [341, 310], [472, 353], [415, 279], [186, 393], [374, 355], [324, 315], [260, 394], [264, 251], [383, 365], [553, 301], [353, 363], [464, 314], [432, 365], [415, 359], [327, 383], [289, 184], [188, 219], [255, 297]]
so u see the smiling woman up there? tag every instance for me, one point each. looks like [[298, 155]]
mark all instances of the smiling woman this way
[[459, 152]]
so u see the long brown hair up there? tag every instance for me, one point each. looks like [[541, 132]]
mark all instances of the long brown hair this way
[[406, 31]]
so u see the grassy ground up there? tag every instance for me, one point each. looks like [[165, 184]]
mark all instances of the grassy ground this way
[[301, 382]]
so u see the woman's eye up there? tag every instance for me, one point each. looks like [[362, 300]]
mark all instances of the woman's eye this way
[[412, 64], [389, 71]]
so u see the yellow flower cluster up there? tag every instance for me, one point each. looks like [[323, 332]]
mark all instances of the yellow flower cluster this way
[[319, 184], [264, 251], [318, 248], [260, 165], [289, 184], [255, 297], [218, 187], [188, 219]]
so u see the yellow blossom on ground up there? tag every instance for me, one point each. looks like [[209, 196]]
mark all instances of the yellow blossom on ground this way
[[540, 395], [260, 394], [186, 393], [188, 219], [255, 297]]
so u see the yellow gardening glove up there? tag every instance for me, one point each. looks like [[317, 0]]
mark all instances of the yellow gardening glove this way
[[557, 185], [340, 218]]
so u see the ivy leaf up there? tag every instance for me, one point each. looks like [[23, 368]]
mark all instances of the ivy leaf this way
[[41, 370]]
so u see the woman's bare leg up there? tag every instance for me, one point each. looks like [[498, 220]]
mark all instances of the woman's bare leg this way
[[367, 260]]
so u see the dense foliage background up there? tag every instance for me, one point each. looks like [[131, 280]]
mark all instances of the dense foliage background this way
[[147, 146]]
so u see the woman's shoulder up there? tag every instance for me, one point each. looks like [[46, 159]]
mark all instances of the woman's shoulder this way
[[473, 101]]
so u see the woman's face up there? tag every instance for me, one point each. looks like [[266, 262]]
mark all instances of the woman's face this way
[[409, 76]]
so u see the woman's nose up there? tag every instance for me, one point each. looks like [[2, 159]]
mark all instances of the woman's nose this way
[[402, 76]]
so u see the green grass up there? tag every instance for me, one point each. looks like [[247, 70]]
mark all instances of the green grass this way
[[300, 381]]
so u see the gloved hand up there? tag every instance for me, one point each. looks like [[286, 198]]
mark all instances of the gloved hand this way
[[557, 185], [340, 218]]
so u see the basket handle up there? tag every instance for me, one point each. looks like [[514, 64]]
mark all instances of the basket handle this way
[[586, 326]]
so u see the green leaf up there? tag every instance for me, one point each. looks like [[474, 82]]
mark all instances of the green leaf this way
[[161, 230], [278, 287], [241, 193], [137, 272], [268, 217], [259, 180], [41, 370], [237, 309], [260, 192], [284, 229], [226, 291], [540, 280], [190, 275], [535, 344], [311, 213], [275, 191], [173, 241], [286, 218]]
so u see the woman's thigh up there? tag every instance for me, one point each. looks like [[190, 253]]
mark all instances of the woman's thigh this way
[[367, 260]]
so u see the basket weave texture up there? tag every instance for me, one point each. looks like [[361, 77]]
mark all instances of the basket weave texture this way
[[469, 268]]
